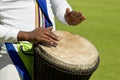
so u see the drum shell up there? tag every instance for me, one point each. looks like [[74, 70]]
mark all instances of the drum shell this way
[[49, 67], [44, 71]]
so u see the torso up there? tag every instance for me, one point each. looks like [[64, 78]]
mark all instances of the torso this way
[[19, 14]]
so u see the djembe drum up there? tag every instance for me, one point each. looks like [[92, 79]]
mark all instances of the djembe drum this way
[[74, 58]]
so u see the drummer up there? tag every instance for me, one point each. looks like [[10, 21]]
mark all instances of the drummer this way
[[24, 21]]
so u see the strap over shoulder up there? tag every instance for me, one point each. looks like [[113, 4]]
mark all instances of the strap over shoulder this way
[[43, 6]]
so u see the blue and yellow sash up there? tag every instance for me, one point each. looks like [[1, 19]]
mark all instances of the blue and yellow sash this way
[[24, 63]]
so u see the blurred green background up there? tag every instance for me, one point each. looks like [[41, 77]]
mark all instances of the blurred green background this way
[[102, 28]]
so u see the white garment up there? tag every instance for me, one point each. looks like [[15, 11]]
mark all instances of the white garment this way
[[19, 15], [16, 15]]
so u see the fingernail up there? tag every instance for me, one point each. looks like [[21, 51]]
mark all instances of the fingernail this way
[[58, 38], [51, 43]]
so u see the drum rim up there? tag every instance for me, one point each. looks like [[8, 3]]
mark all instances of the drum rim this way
[[62, 66]]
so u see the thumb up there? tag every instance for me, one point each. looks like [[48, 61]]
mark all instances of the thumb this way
[[67, 10]]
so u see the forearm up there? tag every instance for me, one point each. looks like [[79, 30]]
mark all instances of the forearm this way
[[39, 35], [26, 36], [23, 36]]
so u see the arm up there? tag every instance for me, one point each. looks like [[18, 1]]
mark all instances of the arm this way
[[59, 9], [64, 13], [39, 35], [15, 26], [73, 17]]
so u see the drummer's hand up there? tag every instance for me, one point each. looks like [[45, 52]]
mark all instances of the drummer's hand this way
[[39, 35], [73, 17]]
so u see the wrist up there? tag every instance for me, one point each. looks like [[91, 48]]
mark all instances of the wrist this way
[[23, 36]]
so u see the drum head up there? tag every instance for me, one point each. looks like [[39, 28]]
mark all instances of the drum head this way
[[73, 54]]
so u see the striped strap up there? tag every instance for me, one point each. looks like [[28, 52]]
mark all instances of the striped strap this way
[[43, 7], [17, 62], [39, 17]]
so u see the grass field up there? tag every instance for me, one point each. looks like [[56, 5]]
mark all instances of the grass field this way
[[102, 28]]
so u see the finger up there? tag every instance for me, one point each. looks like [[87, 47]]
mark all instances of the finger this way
[[52, 35], [48, 40], [50, 28], [79, 14], [52, 40], [48, 44], [67, 10], [82, 18], [43, 32]]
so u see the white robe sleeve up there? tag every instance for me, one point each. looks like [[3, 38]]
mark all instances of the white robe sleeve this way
[[59, 9], [8, 34], [15, 16]]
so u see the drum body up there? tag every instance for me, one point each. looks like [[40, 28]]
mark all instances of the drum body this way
[[74, 58]]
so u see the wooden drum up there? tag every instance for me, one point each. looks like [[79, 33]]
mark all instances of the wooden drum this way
[[74, 58]]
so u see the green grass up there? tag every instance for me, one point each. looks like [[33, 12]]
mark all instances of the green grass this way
[[102, 28]]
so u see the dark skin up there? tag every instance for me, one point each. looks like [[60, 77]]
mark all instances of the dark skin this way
[[73, 17], [39, 35], [45, 35]]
